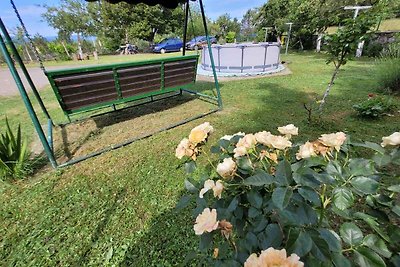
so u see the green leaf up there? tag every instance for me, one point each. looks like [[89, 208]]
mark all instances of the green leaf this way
[[309, 194], [342, 198], [351, 234], [396, 210], [255, 199], [284, 173], [365, 184], [394, 188], [190, 187], [361, 167], [372, 222], [261, 178], [371, 145], [377, 245], [281, 197], [367, 258], [244, 164], [205, 241], [333, 168], [271, 237], [253, 212], [233, 205], [183, 202], [332, 239], [302, 245], [381, 159], [340, 261], [190, 167], [320, 249]]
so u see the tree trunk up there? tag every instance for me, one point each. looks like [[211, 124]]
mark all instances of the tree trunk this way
[[27, 52], [65, 49], [328, 89], [80, 53]]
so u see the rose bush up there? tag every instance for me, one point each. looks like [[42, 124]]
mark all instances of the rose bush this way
[[264, 195]]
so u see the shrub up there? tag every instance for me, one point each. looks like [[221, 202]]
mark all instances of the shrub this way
[[388, 74], [391, 51], [375, 106], [142, 45], [230, 37], [13, 154], [263, 195]]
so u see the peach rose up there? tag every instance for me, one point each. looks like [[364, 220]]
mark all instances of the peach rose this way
[[334, 140], [200, 133], [252, 261], [280, 142], [227, 168], [226, 228], [240, 152], [206, 221], [208, 185], [306, 151], [184, 149], [218, 188], [289, 130], [264, 138], [274, 258], [247, 141], [391, 140]]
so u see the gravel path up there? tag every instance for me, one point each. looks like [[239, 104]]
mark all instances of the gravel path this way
[[9, 88]]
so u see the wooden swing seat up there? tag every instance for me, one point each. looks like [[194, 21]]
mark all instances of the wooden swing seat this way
[[88, 88]]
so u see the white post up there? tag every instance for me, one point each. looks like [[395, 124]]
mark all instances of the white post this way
[[319, 42], [288, 40], [356, 11]]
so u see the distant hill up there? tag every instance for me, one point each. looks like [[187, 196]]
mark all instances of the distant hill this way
[[386, 25]]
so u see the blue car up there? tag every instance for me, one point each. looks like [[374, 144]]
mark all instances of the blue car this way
[[199, 41], [168, 45]]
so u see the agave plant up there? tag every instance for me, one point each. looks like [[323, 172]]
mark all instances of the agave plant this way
[[13, 153]]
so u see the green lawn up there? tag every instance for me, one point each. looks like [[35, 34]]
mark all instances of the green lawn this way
[[117, 209], [386, 25]]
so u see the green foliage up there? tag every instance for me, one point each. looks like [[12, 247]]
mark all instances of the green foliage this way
[[143, 46], [375, 106], [13, 154], [388, 74], [226, 24], [392, 51], [327, 208], [59, 50], [230, 37]]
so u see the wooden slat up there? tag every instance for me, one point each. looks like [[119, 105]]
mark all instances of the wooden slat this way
[[178, 81], [82, 78], [85, 95], [84, 88], [152, 77], [139, 71], [179, 64], [174, 71], [90, 101], [138, 90]]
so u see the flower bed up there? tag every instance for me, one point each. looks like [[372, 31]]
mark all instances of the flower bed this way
[[268, 195]]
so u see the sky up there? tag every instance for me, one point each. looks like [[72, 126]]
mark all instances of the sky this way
[[31, 11]]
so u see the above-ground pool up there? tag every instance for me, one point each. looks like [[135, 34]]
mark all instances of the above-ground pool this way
[[242, 58]]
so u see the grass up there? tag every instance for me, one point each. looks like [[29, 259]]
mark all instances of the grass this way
[[117, 209]]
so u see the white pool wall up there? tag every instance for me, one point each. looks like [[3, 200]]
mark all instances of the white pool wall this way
[[243, 58]]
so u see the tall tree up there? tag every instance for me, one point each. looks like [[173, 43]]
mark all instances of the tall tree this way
[[71, 16], [227, 24], [249, 24]]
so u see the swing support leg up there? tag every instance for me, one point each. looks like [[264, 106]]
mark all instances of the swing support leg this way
[[27, 102]]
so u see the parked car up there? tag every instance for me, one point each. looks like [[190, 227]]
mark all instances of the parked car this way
[[168, 45], [199, 41]]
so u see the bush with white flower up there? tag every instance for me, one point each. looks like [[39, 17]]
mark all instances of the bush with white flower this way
[[265, 196]]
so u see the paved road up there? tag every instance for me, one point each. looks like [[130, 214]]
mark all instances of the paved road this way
[[9, 88]]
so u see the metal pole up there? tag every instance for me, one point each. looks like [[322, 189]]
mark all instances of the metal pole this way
[[27, 102], [17, 57], [288, 40], [185, 27], [211, 55]]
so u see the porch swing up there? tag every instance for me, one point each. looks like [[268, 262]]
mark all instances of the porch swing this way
[[84, 89]]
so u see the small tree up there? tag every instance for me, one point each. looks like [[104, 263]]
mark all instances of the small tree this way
[[342, 45]]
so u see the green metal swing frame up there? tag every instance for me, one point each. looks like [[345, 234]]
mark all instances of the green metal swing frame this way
[[168, 81]]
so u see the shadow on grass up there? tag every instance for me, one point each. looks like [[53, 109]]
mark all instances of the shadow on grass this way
[[168, 240]]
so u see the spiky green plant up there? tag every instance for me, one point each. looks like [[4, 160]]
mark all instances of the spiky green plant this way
[[13, 154]]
